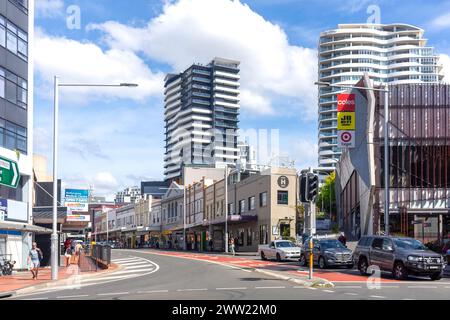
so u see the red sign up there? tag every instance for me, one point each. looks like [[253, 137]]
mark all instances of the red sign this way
[[346, 103]]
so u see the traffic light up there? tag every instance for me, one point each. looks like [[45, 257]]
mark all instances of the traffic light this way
[[313, 186], [303, 188]]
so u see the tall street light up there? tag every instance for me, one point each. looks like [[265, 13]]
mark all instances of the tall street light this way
[[54, 237], [386, 142]]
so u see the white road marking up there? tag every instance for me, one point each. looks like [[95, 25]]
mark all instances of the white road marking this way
[[348, 287], [378, 297], [139, 267], [258, 288], [329, 291], [73, 297], [153, 291], [36, 299], [422, 287], [243, 288], [189, 290], [129, 264], [119, 261], [131, 271], [113, 294], [351, 294], [311, 288]]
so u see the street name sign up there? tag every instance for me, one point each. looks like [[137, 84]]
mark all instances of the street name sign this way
[[9, 173]]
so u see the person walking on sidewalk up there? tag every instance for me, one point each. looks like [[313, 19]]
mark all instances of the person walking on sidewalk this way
[[68, 255], [34, 260], [232, 247]]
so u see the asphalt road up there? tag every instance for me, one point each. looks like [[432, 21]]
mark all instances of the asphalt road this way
[[147, 276]]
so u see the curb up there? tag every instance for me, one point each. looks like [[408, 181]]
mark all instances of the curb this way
[[50, 285], [307, 283], [4, 295]]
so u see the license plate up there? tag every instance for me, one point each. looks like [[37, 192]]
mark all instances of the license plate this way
[[433, 268]]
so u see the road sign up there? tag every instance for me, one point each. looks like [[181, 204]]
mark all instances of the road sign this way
[[9, 173], [346, 139]]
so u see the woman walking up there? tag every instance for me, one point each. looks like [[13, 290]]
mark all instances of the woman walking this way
[[232, 247], [34, 260]]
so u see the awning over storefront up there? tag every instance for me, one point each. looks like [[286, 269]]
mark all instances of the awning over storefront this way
[[234, 219], [24, 228]]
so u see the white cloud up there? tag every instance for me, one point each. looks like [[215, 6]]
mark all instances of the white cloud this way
[[197, 30], [441, 22], [445, 60], [49, 8], [85, 62]]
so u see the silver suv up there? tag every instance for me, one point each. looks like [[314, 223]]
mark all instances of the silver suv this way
[[401, 256]]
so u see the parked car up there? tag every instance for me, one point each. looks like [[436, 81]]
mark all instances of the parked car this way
[[401, 256], [327, 253], [279, 250]]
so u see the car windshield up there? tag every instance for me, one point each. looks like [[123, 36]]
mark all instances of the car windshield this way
[[331, 244], [285, 244], [409, 244]]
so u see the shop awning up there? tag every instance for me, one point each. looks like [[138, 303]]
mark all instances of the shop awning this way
[[24, 228]]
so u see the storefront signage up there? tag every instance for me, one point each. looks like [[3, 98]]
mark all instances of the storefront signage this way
[[78, 218], [346, 116], [77, 200], [283, 182]]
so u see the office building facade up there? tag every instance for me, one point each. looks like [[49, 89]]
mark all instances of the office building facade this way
[[201, 116], [16, 125], [391, 53]]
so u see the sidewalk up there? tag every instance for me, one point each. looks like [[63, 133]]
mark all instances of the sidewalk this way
[[21, 280]]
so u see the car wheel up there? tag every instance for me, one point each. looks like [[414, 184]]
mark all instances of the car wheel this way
[[322, 263], [363, 266], [400, 272], [263, 256], [303, 261], [436, 276], [278, 257]]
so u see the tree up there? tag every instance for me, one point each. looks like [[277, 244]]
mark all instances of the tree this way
[[326, 200]]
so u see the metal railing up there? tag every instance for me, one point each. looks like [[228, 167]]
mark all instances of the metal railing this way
[[101, 254]]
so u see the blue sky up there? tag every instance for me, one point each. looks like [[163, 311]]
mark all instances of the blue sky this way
[[114, 138]]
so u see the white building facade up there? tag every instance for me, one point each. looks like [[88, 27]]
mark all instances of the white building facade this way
[[390, 53], [16, 126]]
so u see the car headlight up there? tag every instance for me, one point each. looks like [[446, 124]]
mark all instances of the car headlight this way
[[415, 259]]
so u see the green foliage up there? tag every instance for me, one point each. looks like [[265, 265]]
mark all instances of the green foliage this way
[[327, 195]]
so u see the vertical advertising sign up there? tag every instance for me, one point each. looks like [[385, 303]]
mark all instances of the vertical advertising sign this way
[[76, 200], [346, 120]]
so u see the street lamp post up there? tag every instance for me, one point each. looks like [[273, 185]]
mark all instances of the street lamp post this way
[[54, 237], [386, 143]]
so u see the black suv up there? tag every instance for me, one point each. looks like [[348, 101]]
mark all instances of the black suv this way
[[401, 256]]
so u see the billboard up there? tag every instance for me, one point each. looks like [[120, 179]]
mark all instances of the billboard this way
[[346, 102], [76, 200], [78, 218], [346, 116]]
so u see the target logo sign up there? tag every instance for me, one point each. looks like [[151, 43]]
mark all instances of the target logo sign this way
[[346, 139]]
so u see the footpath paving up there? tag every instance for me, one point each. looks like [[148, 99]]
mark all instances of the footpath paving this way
[[23, 282]]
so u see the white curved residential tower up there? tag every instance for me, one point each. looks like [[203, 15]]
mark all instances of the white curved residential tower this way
[[392, 53]]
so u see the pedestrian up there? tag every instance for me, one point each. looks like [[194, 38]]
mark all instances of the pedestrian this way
[[342, 239], [232, 247], [34, 260], [78, 248], [68, 255], [211, 245]]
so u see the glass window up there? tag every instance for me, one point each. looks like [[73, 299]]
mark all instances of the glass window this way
[[241, 206], [283, 197], [2, 34], [2, 87], [11, 92], [10, 142], [263, 199], [11, 42], [251, 203]]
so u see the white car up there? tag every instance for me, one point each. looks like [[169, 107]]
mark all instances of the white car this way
[[279, 250]]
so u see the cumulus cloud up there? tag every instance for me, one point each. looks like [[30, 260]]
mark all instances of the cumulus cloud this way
[[49, 8], [190, 31], [441, 22], [86, 62]]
